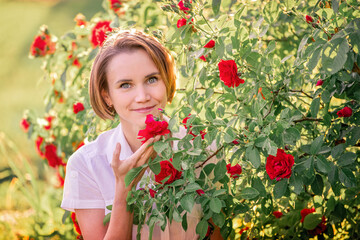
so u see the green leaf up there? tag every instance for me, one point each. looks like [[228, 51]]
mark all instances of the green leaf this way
[[65, 216], [355, 41], [219, 219], [187, 202], [322, 164], [353, 136], [314, 108], [173, 124], [160, 146], [107, 218], [219, 192], [176, 215], [312, 220], [271, 11], [252, 154], [314, 59], [258, 185], [334, 55], [346, 159], [192, 187], [316, 145], [317, 185], [63, 78], [215, 205], [291, 135], [337, 150], [132, 174], [249, 193], [267, 205], [201, 228], [92, 54], [220, 170], [347, 177], [280, 188], [216, 6]]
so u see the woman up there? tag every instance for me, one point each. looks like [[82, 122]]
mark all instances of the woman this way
[[132, 76]]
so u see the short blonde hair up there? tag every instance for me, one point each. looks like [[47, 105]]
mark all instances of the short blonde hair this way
[[124, 41]]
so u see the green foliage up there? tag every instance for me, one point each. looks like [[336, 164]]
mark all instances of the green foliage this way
[[281, 57]]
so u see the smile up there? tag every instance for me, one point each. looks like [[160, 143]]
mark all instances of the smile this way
[[144, 110]]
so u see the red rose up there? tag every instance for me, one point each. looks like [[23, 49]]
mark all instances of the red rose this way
[[42, 45], [98, 33], [78, 107], [202, 57], [305, 212], [80, 20], [153, 128], [49, 120], [200, 192], [234, 171], [76, 225], [38, 143], [53, 159], [320, 228], [181, 22], [202, 132], [243, 230], [115, 5], [210, 44], [80, 145], [319, 83], [277, 214], [167, 169], [345, 112], [182, 6], [229, 74], [280, 166], [236, 142], [309, 19], [152, 193], [25, 125]]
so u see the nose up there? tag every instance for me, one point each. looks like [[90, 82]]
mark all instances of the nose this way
[[142, 94]]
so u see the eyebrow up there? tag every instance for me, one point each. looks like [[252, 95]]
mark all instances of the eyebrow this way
[[129, 80]]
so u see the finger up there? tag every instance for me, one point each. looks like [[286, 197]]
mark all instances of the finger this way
[[142, 149], [116, 155], [145, 156]]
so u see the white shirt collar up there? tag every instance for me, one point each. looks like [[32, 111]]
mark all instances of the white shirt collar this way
[[118, 137]]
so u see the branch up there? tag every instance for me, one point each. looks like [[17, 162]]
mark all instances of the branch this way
[[211, 156], [308, 119], [301, 91], [200, 88]]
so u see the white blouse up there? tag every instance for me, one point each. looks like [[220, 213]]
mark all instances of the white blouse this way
[[90, 183]]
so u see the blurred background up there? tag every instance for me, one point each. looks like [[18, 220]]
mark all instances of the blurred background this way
[[22, 87]]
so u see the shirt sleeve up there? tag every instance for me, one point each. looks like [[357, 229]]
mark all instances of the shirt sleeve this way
[[80, 188]]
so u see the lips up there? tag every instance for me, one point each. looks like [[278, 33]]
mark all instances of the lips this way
[[144, 110]]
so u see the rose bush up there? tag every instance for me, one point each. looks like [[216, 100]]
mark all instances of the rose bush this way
[[255, 94]]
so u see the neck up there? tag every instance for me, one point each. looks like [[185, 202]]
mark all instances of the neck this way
[[131, 135]]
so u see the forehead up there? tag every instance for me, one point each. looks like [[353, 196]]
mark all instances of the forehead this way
[[131, 64]]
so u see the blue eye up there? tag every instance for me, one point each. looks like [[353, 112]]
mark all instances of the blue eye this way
[[153, 80], [125, 85]]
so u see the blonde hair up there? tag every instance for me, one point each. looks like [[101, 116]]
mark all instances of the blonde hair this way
[[124, 41]]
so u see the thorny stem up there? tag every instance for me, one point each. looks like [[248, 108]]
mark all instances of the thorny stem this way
[[211, 156]]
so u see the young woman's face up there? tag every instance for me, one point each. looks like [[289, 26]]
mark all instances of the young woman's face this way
[[136, 88]]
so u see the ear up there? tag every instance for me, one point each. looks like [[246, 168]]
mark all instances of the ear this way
[[105, 95]]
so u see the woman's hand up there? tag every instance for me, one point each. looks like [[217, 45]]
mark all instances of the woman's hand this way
[[140, 157]]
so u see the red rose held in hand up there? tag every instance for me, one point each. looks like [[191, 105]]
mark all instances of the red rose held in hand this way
[[345, 112], [280, 166], [234, 171], [98, 33], [229, 74], [167, 169], [153, 128]]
